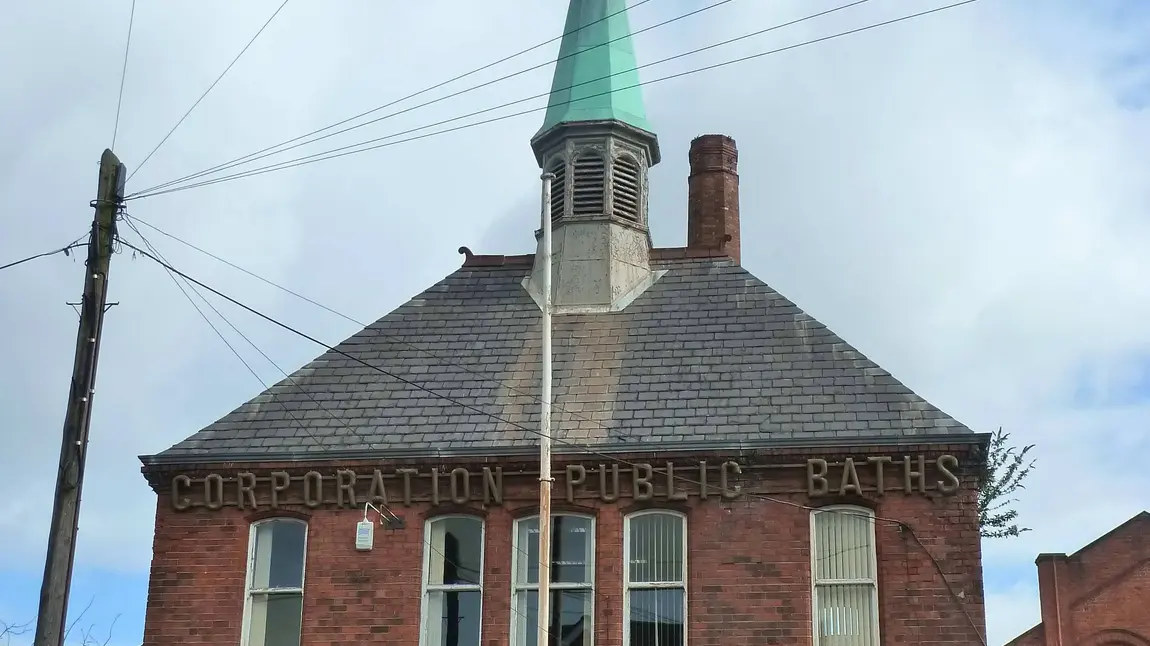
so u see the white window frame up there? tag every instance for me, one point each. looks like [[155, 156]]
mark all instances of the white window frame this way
[[519, 552], [250, 593], [629, 585], [872, 581], [426, 587]]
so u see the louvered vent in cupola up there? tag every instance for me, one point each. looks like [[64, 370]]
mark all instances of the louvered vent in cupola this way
[[625, 185], [558, 188], [590, 178]]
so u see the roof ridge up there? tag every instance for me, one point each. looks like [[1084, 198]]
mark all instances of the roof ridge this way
[[657, 254], [1142, 516], [472, 259]]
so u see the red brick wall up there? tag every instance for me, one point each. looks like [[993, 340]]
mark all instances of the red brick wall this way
[[748, 561], [1097, 594], [1109, 556], [1034, 637], [1116, 609]]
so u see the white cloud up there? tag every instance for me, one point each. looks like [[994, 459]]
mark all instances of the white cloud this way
[[961, 196]]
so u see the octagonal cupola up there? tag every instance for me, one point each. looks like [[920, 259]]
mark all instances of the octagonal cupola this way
[[597, 143]]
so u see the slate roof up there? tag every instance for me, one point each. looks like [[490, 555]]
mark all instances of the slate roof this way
[[709, 357]]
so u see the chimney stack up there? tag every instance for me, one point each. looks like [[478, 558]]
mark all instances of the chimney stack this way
[[1054, 588], [713, 195]]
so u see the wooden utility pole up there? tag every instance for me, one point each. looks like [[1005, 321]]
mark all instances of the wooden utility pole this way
[[50, 622]]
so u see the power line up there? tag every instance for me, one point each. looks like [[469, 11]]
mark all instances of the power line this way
[[157, 191], [394, 339], [246, 271], [64, 250], [220, 334], [400, 100], [343, 151], [243, 336], [581, 448], [218, 78], [261, 154], [123, 74], [391, 338], [341, 421]]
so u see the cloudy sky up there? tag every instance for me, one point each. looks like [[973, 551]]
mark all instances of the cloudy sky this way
[[965, 197]]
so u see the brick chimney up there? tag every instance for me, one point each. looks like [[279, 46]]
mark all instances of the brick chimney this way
[[713, 195], [1054, 592]]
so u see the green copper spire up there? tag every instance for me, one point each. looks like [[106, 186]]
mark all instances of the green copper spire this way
[[588, 70]]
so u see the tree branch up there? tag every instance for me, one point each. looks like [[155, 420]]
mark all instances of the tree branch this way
[[1006, 469]]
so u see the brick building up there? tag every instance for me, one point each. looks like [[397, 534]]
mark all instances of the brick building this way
[[727, 469], [1098, 595]]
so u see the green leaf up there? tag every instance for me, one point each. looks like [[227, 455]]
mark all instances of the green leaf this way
[[1003, 474]]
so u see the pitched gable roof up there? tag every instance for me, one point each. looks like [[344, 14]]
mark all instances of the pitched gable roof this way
[[709, 357]]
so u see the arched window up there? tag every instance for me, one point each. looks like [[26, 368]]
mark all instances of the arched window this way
[[452, 581], [558, 168], [844, 570], [572, 581], [273, 608], [589, 184], [1114, 637], [655, 576], [625, 188]]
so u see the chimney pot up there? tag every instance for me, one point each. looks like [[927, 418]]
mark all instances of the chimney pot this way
[[713, 195]]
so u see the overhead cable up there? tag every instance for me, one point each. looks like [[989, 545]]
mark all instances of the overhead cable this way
[[64, 250], [392, 338], [261, 154], [123, 74], [210, 87], [223, 338], [346, 150]]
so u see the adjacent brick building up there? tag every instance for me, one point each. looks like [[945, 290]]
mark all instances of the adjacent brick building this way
[[727, 469], [1099, 595]]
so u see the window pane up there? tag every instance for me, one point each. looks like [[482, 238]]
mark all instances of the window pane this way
[[572, 543], [456, 551], [843, 545], [656, 546], [571, 549], [845, 614], [279, 554], [275, 620], [453, 618], [656, 617], [570, 623], [527, 556]]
